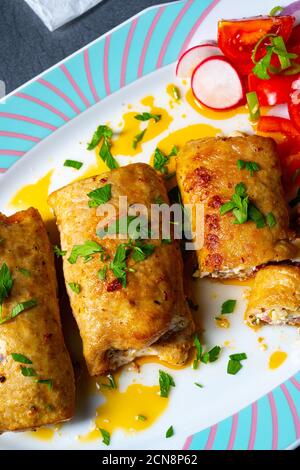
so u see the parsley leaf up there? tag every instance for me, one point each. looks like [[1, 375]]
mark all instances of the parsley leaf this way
[[28, 371], [147, 117], [271, 220], [256, 216], [141, 251], [20, 358], [198, 347], [106, 436], [100, 196], [228, 307], [166, 381], [48, 382], [161, 160], [118, 264], [170, 432], [138, 138], [58, 251], [250, 166], [6, 282], [75, 287], [19, 308], [212, 355], [102, 273], [86, 251], [104, 134]]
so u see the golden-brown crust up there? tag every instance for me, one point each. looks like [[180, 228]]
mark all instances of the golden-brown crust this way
[[207, 173], [275, 296], [35, 333], [118, 324]]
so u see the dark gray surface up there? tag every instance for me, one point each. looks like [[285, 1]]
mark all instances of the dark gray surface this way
[[28, 47]]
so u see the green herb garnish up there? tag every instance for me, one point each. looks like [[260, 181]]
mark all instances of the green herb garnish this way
[[278, 47], [175, 93], [19, 308], [73, 164], [253, 105], [141, 418], [275, 11], [271, 220], [102, 273], [20, 358], [249, 166], [106, 436], [104, 134], [100, 196], [111, 383], [228, 307], [86, 251], [58, 251], [147, 117], [170, 432], [166, 381], [75, 287], [28, 372], [6, 284], [212, 355], [138, 138], [48, 382], [161, 160], [198, 385], [238, 357], [198, 347], [141, 251], [234, 364], [118, 264]]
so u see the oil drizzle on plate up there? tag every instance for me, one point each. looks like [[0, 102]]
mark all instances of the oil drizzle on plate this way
[[122, 409], [277, 359]]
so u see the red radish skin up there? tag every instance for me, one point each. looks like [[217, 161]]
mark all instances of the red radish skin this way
[[217, 85], [191, 58]]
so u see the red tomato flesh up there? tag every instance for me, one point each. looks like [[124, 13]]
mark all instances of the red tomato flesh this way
[[294, 103], [238, 38], [271, 92]]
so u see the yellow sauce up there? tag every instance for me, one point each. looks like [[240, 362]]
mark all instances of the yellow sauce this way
[[277, 359], [122, 144], [35, 195], [122, 408], [210, 113], [170, 91], [222, 322], [155, 360], [237, 282], [43, 434]]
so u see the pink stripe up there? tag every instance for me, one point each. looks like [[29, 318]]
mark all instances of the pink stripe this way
[[187, 443], [19, 136], [253, 427], [58, 92], [75, 85], [293, 409], [18, 117], [211, 437], [126, 52], [13, 153], [43, 104], [274, 421], [171, 32], [295, 383], [148, 39], [234, 426], [197, 24], [105, 65], [89, 75], [3, 170]]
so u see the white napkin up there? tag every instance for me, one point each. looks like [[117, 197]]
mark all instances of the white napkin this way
[[55, 13]]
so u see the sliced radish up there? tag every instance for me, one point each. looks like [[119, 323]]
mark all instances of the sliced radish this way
[[217, 85], [191, 58]]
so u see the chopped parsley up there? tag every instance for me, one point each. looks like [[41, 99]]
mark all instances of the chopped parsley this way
[[19, 308], [198, 385], [106, 436], [118, 264], [166, 381], [102, 273], [141, 418], [100, 196], [148, 116], [228, 307], [48, 382], [20, 358], [138, 138], [86, 251], [141, 251], [58, 251], [28, 371], [73, 164], [170, 432], [161, 160], [212, 355], [249, 166], [271, 220], [234, 364], [6, 283], [104, 134], [198, 347], [75, 287]]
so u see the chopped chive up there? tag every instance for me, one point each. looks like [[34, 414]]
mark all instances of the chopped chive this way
[[147, 117], [238, 357], [198, 385], [138, 138], [73, 164], [106, 436], [271, 220], [28, 371], [253, 105], [170, 432], [20, 358]]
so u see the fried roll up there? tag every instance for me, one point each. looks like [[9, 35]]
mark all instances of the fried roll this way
[[36, 374], [238, 181], [275, 296], [142, 309]]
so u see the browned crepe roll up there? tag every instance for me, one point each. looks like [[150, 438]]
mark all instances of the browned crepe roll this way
[[36, 375], [119, 323], [275, 296], [208, 171]]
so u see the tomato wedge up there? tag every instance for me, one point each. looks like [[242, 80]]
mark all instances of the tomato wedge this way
[[269, 124], [273, 91], [294, 103], [237, 38]]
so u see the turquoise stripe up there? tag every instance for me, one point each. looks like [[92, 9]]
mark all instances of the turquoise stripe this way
[[96, 55], [11, 143], [7, 162], [77, 70], [116, 51], [285, 420], [27, 108], [57, 78], [223, 435], [23, 128], [199, 440], [243, 430], [263, 439]]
